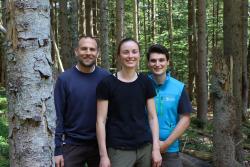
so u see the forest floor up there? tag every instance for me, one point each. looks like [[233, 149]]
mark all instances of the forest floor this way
[[195, 142]]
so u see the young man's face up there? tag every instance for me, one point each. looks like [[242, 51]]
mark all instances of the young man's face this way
[[87, 52], [158, 63]]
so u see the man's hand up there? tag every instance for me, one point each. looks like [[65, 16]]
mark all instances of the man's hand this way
[[59, 161], [156, 158], [105, 162]]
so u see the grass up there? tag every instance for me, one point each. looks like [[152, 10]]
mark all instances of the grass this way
[[4, 146]]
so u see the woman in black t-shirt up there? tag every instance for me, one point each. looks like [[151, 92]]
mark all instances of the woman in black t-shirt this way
[[126, 113]]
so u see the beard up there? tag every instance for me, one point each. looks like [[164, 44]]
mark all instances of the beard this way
[[88, 65]]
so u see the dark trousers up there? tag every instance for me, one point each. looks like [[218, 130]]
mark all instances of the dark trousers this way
[[79, 155], [171, 160]]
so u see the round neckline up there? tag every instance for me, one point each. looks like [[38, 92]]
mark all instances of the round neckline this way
[[126, 82]]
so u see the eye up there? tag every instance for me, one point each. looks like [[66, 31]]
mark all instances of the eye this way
[[125, 52], [162, 60], [153, 60], [135, 51]]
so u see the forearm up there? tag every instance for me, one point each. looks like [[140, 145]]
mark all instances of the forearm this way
[[180, 128], [102, 110], [101, 137], [153, 123]]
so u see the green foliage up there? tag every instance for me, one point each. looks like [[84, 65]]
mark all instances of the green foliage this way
[[4, 146]]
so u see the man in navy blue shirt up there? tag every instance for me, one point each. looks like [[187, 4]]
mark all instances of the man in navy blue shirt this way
[[75, 103], [172, 105]]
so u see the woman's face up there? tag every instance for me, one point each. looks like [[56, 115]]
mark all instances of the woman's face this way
[[129, 54]]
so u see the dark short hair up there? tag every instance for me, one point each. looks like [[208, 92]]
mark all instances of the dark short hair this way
[[157, 48], [91, 37], [123, 41]]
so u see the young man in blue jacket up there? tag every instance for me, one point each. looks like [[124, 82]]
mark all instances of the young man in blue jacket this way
[[75, 103], [172, 105]]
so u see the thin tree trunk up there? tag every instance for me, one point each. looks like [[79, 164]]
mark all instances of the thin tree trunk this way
[[202, 95], [30, 84], [191, 56], [89, 17], [74, 24], [104, 31], [65, 38], [170, 26], [95, 20], [244, 59], [153, 19], [81, 18], [237, 55], [135, 20], [119, 22]]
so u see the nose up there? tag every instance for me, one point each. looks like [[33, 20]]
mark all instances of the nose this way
[[157, 63]]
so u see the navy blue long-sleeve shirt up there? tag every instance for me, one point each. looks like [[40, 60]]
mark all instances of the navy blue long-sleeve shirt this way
[[75, 103]]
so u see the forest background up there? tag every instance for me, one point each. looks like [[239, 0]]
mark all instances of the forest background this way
[[209, 47]]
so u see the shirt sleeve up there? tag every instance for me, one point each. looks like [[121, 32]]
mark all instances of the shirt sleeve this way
[[150, 91], [102, 91], [184, 105], [60, 99]]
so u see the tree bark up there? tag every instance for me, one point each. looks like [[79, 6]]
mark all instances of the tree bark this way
[[119, 23], [170, 26], [224, 107], [135, 20], [65, 38], [202, 89], [191, 52], [89, 17], [104, 32], [30, 84]]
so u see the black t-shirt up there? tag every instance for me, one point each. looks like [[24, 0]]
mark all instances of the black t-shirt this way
[[127, 124]]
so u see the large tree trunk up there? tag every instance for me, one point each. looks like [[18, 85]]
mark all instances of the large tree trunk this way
[[202, 95], [104, 32], [30, 84], [224, 118]]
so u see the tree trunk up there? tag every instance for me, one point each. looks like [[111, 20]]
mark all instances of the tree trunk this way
[[191, 56], [153, 19], [81, 18], [237, 55], [74, 24], [145, 27], [65, 39], [89, 17], [30, 84], [202, 95], [224, 108], [119, 22], [244, 59], [170, 26], [135, 20], [95, 14], [104, 32]]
